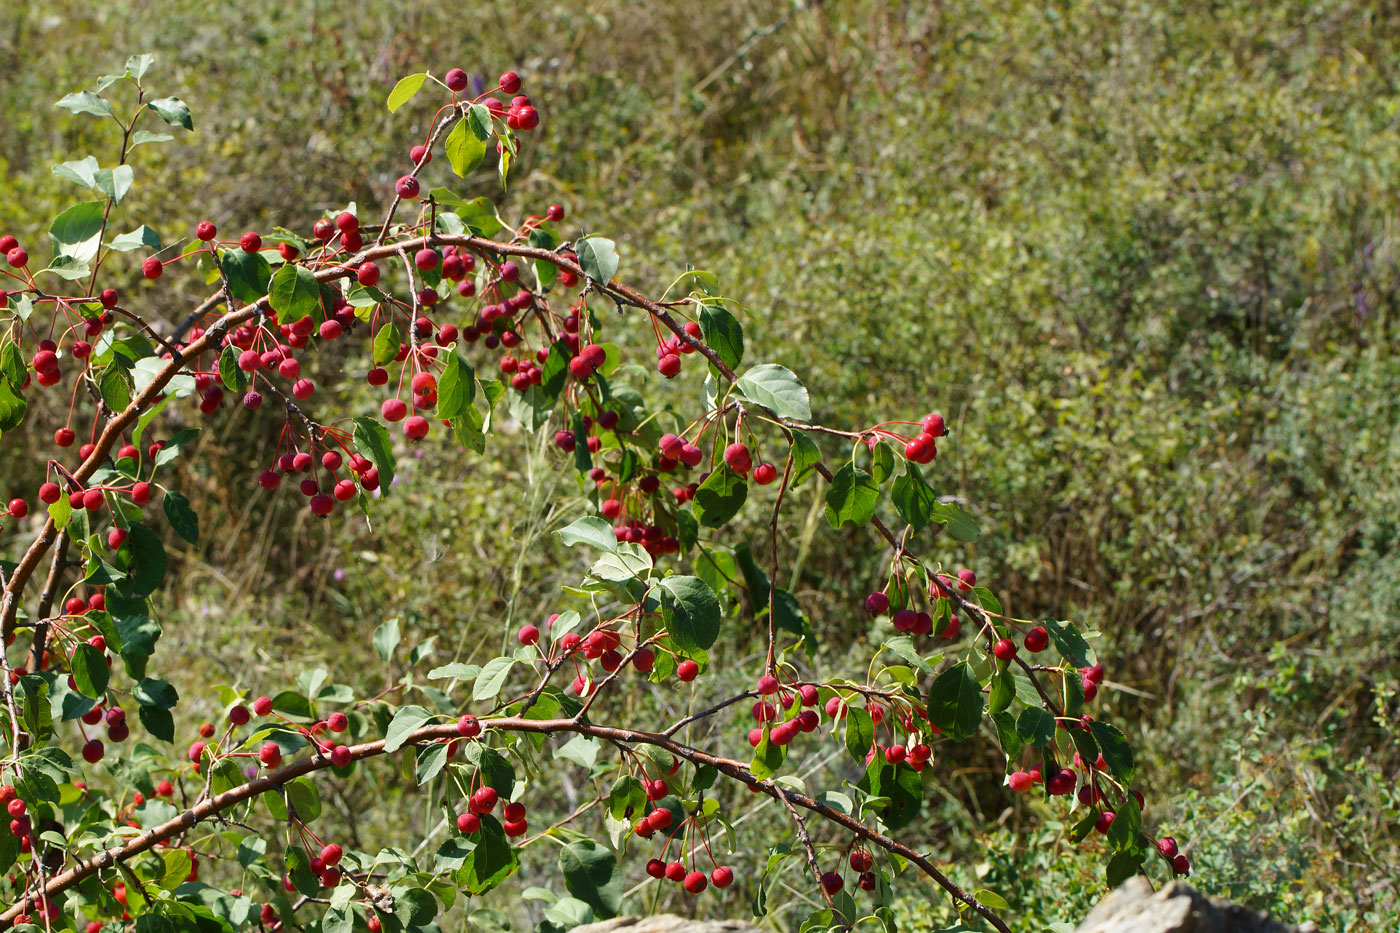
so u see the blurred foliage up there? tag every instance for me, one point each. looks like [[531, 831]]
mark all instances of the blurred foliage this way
[[1143, 258]]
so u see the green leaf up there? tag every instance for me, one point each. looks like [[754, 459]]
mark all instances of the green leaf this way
[[627, 798], [403, 91], [172, 447], [115, 388], [36, 712], [902, 646], [860, 733], [414, 907], [495, 768], [138, 65], [386, 638], [479, 214], [1125, 833], [583, 458], [173, 111], [590, 530], [905, 790], [720, 497], [1117, 754], [144, 561], [248, 274], [137, 632], [68, 267], [1003, 690], [531, 408], [177, 867], [146, 136], [1070, 643], [230, 375], [987, 599], [851, 498], [694, 612], [181, 517], [338, 919], [991, 899], [881, 463], [492, 678], [564, 914], [115, 182], [1035, 726], [598, 258], [624, 566], [372, 440], [768, 757], [581, 750], [155, 692], [913, 498], [1011, 743], [298, 866], [406, 720], [503, 165], [466, 146], [12, 407], [77, 232], [491, 862], [467, 429], [90, 671], [386, 344], [456, 670], [158, 722], [1123, 866], [303, 800], [555, 372], [431, 758], [722, 334], [456, 386], [9, 851], [295, 292], [142, 236], [591, 874], [82, 172], [960, 524], [955, 702], [778, 389], [86, 102]]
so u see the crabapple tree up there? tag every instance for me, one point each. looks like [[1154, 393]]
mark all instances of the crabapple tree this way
[[465, 320]]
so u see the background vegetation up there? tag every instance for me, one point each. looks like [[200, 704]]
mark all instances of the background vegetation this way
[[1144, 259]]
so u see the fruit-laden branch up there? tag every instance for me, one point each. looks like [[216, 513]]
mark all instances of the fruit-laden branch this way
[[212, 806], [209, 340]]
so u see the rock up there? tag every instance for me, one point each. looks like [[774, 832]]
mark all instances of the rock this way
[[1136, 908], [665, 923], [1132, 908]]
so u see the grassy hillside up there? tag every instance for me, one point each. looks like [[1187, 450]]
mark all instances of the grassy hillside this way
[[1145, 260]]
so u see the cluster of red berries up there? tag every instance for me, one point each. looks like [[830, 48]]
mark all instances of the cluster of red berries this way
[[670, 351], [270, 753], [17, 256], [325, 866], [20, 826], [916, 622], [482, 801], [659, 819], [922, 447], [342, 489], [520, 115], [601, 645], [694, 882], [784, 728]]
